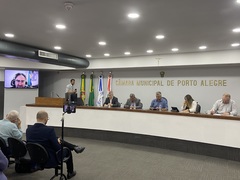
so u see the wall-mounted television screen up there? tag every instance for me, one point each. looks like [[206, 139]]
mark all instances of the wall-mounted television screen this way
[[21, 79]]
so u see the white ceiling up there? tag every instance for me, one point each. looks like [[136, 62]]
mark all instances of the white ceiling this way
[[186, 24]]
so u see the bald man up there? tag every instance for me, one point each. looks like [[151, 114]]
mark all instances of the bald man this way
[[225, 106], [46, 136]]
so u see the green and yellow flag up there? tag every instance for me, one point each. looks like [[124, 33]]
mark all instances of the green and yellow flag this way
[[83, 87], [91, 94]]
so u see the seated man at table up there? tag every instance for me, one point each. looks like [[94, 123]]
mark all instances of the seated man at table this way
[[111, 101], [45, 135], [225, 106], [160, 103], [133, 103]]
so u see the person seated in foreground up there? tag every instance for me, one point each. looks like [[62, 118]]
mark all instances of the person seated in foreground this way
[[133, 103], [189, 105], [111, 101], [3, 165], [46, 136], [159, 103], [10, 127], [225, 106]]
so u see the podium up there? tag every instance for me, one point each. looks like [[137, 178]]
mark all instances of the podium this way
[[47, 101]]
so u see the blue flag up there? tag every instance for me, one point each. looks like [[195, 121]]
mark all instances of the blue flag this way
[[100, 91]]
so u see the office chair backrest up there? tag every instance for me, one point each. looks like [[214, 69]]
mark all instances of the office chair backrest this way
[[37, 153], [198, 108], [165, 99], [3, 144], [17, 147]]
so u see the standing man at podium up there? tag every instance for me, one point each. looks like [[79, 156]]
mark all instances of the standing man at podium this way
[[70, 87], [70, 90]]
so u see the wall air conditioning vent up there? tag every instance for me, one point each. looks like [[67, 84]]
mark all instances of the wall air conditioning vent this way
[[49, 55]]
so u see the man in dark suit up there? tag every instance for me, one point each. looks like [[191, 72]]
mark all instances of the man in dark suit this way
[[111, 101], [46, 136], [133, 103]]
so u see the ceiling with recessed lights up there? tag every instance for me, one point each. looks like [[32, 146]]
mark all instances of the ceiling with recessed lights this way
[[120, 28]]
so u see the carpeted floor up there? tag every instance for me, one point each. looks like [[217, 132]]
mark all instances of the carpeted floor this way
[[116, 161]]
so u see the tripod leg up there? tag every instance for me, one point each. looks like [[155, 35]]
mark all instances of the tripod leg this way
[[63, 177]]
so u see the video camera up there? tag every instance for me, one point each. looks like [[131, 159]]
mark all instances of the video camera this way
[[69, 108]]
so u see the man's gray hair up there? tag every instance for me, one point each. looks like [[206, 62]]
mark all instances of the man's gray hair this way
[[12, 115]]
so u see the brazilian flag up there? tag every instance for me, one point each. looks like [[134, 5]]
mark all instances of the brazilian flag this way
[[91, 90]]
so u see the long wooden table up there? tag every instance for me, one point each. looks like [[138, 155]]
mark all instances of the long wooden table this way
[[217, 130]]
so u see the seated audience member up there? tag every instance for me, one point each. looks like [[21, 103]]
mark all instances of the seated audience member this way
[[189, 105], [45, 135], [225, 106], [159, 103], [10, 127], [133, 103], [3, 165], [111, 101]]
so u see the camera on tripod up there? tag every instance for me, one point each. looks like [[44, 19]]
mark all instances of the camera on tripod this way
[[70, 103], [69, 108]]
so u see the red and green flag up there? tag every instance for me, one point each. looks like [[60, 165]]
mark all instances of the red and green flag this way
[[91, 92], [83, 87]]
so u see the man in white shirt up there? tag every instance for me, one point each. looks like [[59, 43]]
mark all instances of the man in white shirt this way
[[225, 106], [70, 87], [70, 90]]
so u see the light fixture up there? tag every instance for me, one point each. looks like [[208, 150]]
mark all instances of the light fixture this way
[[102, 43], [9, 35], [133, 15], [150, 51], [60, 26], [236, 30], [175, 49], [202, 47], [160, 37], [106, 54], [57, 47], [88, 55], [127, 53], [238, 1], [235, 44]]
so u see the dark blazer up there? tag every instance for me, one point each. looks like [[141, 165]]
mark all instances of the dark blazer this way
[[46, 136], [114, 101], [137, 102]]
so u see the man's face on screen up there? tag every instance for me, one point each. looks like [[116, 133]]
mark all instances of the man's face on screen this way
[[20, 81]]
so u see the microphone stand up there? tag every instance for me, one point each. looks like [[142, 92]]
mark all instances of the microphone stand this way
[[62, 176]]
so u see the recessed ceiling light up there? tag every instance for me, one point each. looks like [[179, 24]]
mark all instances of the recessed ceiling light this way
[[235, 44], [133, 15], [238, 1], [106, 54], [160, 37], [60, 26], [236, 30], [202, 47], [9, 35], [175, 49], [88, 55], [102, 43], [149, 51], [127, 53], [57, 47]]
